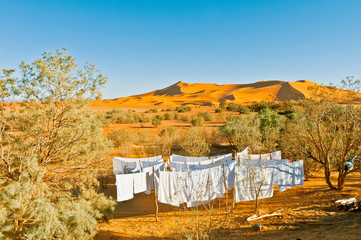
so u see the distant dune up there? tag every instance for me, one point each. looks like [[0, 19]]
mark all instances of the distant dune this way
[[205, 94]]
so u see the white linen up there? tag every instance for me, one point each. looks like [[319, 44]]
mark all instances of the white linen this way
[[289, 175], [172, 188], [276, 155], [140, 182], [204, 185], [253, 182], [266, 156], [243, 154], [131, 163], [124, 184], [260, 163]]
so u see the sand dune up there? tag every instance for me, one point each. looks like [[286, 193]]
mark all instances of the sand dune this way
[[206, 94]]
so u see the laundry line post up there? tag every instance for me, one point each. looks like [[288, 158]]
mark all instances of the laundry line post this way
[[225, 185], [155, 197], [234, 189], [125, 169], [140, 164]]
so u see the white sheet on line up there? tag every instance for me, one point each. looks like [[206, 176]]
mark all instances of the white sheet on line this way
[[204, 185], [262, 163], [140, 182], [119, 163], [124, 184], [289, 175], [243, 154], [253, 181], [172, 188], [276, 155]]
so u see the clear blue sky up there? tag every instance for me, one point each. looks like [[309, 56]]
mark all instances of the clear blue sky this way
[[146, 45]]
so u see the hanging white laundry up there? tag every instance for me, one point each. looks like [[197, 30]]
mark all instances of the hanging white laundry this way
[[243, 154], [253, 183], [124, 184], [172, 188], [276, 155], [187, 159], [229, 169], [289, 175], [266, 156], [140, 182], [262, 163], [204, 185], [131, 163], [157, 168]]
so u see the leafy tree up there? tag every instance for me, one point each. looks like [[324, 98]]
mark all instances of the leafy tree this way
[[195, 144], [328, 132], [51, 148], [242, 132]]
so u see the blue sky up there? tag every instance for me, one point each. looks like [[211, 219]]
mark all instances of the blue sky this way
[[146, 45]]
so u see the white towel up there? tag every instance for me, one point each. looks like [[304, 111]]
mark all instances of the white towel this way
[[140, 182], [124, 184], [276, 155], [253, 181], [172, 189], [289, 175], [263, 163], [243, 154]]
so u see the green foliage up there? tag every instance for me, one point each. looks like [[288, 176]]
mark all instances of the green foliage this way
[[195, 144], [207, 116], [152, 110], [171, 116], [223, 105], [269, 120], [219, 110], [156, 121], [183, 109], [49, 167], [120, 116], [241, 132], [186, 118], [197, 121]]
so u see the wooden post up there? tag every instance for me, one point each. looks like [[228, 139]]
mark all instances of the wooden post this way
[[168, 168], [225, 184], [125, 169], [155, 197], [140, 164], [234, 190]]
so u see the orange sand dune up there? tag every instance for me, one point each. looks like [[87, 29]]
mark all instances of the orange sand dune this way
[[205, 94]]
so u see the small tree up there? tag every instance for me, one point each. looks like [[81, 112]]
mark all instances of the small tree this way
[[195, 144], [197, 121], [51, 148], [241, 132], [328, 132]]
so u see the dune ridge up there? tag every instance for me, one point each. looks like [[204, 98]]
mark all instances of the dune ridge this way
[[206, 94]]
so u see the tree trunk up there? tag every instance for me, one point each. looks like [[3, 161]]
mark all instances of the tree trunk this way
[[341, 180], [328, 176]]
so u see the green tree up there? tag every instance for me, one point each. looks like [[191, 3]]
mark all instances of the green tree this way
[[241, 132], [195, 144], [327, 132], [51, 150]]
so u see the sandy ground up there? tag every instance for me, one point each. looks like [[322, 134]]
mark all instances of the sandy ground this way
[[309, 213]]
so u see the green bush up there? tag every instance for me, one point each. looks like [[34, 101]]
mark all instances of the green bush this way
[[197, 121], [152, 110], [183, 109], [186, 118], [219, 110], [207, 116]]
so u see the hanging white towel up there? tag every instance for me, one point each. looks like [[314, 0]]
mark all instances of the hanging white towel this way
[[124, 184], [243, 154], [140, 182], [289, 175], [172, 188], [276, 155], [262, 163], [253, 182], [204, 185]]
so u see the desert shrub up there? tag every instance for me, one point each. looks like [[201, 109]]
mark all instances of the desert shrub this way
[[171, 116], [123, 140], [244, 110], [49, 168], [194, 143], [233, 107], [156, 122], [207, 116], [186, 118], [170, 109], [183, 109], [152, 110], [223, 105], [218, 110], [197, 121], [120, 116]]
